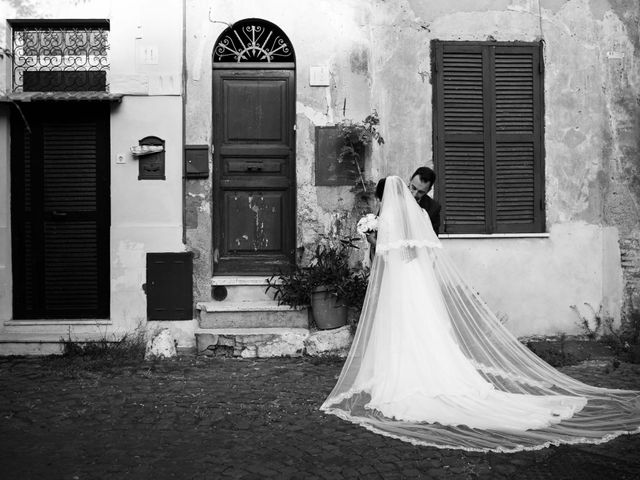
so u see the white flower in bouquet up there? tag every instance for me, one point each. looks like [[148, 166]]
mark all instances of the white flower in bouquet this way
[[367, 224]]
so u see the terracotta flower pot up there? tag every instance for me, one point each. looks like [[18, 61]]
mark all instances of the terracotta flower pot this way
[[327, 309]]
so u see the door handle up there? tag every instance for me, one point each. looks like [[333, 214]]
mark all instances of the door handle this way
[[254, 169]]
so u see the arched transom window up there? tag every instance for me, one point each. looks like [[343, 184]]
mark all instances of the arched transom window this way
[[253, 40]]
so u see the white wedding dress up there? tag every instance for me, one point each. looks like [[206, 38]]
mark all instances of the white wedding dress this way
[[431, 365]]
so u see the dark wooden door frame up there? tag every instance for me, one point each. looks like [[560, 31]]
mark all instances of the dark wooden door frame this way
[[265, 264], [37, 114]]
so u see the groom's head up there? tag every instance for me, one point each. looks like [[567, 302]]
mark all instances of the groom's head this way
[[421, 182]]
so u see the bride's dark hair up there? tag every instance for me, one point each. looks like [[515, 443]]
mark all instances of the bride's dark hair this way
[[380, 188]]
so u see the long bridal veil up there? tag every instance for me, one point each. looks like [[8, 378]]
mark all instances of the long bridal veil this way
[[430, 364]]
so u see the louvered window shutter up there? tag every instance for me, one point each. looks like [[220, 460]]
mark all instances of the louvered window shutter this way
[[488, 136], [60, 212], [518, 160]]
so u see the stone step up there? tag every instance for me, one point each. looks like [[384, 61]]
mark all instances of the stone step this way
[[250, 314], [272, 342], [36, 343], [251, 342], [242, 289]]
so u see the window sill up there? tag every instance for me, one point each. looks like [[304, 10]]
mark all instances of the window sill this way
[[492, 235], [61, 96], [57, 322]]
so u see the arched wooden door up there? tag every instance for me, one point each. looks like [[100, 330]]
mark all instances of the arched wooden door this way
[[254, 149]]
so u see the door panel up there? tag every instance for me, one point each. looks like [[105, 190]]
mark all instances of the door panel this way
[[60, 211], [254, 170], [258, 111], [263, 213]]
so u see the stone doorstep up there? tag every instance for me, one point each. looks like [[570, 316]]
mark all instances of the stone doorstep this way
[[248, 306], [239, 289], [272, 342], [250, 314], [251, 342], [235, 280]]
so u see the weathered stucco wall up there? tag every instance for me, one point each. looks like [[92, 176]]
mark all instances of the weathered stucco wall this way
[[146, 216], [347, 55], [379, 58], [532, 282]]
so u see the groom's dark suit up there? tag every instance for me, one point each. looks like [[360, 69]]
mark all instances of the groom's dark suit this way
[[433, 209]]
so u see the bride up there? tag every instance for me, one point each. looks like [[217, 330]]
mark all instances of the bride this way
[[431, 365]]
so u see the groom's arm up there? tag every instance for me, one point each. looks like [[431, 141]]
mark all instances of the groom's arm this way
[[372, 238], [435, 218]]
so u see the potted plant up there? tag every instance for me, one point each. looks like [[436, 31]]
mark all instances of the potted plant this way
[[356, 136], [328, 284]]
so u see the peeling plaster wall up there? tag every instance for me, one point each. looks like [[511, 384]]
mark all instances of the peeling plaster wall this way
[[379, 58], [339, 41], [146, 216]]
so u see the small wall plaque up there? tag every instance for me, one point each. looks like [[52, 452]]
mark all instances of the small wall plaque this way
[[319, 76], [151, 165]]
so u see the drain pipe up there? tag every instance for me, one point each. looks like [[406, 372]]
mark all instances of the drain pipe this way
[[184, 131]]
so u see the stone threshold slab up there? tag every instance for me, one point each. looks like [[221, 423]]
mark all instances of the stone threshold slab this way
[[248, 306], [231, 280]]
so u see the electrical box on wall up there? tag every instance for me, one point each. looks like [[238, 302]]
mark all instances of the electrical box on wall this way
[[196, 158]]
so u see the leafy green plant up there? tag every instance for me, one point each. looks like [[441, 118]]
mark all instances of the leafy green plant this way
[[591, 332], [356, 136], [106, 352], [632, 327], [555, 353], [290, 288], [328, 267], [624, 340], [355, 288]]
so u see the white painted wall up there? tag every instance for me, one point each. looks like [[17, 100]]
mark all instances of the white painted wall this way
[[533, 281], [146, 216], [5, 217]]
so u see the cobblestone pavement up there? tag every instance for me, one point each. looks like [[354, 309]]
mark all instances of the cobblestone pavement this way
[[209, 418]]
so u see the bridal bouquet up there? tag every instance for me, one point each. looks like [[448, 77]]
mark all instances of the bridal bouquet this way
[[367, 224]]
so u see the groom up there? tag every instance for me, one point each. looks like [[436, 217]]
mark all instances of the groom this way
[[421, 182], [419, 185]]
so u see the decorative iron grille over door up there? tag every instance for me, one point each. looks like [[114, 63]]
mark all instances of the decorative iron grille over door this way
[[60, 56], [253, 40]]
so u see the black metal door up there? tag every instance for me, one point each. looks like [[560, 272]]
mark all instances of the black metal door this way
[[169, 286], [60, 210]]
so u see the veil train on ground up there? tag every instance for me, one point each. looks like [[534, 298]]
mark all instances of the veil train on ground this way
[[430, 363]]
